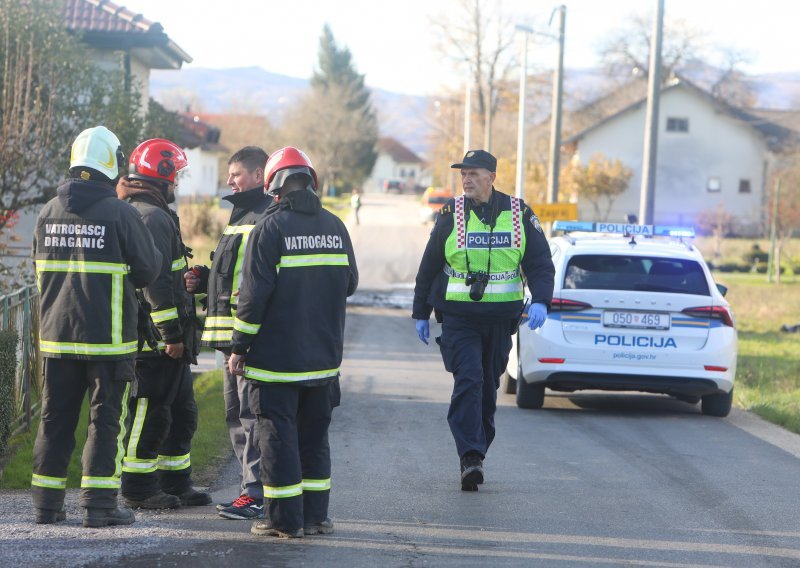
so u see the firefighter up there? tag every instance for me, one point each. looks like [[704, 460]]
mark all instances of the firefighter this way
[[470, 274], [250, 203], [157, 465], [91, 252], [288, 339]]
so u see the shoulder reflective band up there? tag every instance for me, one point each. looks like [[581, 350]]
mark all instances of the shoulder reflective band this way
[[238, 229], [293, 261], [283, 492], [100, 482], [164, 315], [174, 463], [244, 327], [179, 263], [117, 271], [283, 377], [49, 482], [316, 484]]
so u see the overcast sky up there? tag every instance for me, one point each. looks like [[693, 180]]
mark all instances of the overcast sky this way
[[392, 42]]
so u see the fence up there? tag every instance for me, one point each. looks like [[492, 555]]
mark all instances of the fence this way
[[20, 313]]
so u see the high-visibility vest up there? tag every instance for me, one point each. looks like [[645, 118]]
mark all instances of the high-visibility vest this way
[[470, 237]]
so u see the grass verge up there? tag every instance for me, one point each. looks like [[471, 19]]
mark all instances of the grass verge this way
[[210, 445]]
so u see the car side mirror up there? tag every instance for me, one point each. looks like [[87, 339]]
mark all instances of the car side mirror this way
[[722, 289]]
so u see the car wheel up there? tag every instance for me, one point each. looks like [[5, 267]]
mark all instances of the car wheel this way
[[528, 395], [717, 404]]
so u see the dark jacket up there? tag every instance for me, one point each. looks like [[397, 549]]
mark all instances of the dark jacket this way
[[223, 278], [172, 307], [298, 270], [91, 252], [536, 264]]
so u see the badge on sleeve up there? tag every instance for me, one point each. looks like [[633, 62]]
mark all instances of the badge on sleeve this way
[[535, 222]]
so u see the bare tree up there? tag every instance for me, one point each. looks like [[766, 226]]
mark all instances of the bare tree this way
[[481, 41], [787, 219], [717, 223]]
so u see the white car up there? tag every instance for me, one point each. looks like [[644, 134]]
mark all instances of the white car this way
[[635, 308]]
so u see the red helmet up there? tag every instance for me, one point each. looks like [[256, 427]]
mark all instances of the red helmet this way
[[157, 160], [288, 160]]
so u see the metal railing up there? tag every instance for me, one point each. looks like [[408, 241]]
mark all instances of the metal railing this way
[[19, 312]]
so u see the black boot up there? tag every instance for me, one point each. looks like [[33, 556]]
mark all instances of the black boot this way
[[194, 498], [471, 471], [50, 516], [159, 500], [108, 517]]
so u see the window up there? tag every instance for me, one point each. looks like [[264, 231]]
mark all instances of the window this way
[[714, 185], [677, 124], [635, 273], [402, 172], [744, 186]]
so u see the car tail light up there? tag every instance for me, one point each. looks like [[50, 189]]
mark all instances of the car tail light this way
[[715, 312], [557, 360], [564, 305], [715, 368]]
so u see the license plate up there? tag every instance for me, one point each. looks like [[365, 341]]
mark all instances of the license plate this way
[[636, 320]]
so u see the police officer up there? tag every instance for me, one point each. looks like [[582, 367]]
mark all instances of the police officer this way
[[250, 203], [91, 252], [157, 465], [470, 275], [288, 339]]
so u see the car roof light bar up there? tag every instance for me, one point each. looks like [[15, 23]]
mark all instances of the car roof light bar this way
[[627, 229]]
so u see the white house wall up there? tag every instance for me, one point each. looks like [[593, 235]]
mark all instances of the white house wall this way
[[201, 180], [112, 61], [716, 145], [387, 169]]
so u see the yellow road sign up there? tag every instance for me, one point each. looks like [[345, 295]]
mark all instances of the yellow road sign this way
[[548, 212]]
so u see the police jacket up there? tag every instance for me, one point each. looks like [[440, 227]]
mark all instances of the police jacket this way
[[171, 306], [91, 252], [470, 229], [298, 270], [226, 266]]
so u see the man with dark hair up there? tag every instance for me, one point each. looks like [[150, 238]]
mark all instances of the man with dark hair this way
[[246, 179], [91, 253]]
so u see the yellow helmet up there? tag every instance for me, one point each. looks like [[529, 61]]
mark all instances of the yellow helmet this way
[[97, 148]]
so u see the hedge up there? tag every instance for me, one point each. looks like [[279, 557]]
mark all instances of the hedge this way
[[8, 371]]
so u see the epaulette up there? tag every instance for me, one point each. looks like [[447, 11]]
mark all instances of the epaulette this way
[[447, 208]]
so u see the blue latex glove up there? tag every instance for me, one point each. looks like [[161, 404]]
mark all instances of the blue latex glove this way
[[536, 316], [423, 330]]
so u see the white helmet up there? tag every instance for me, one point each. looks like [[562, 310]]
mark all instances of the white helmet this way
[[97, 148]]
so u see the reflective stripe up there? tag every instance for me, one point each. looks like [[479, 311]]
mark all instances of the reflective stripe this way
[[116, 308], [244, 327], [136, 428], [123, 418], [283, 377], [87, 348], [174, 463], [159, 345], [134, 465], [237, 269], [164, 315], [217, 335], [316, 484], [49, 482], [100, 482], [81, 266], [178, 263], [283, 492], [219, 321], [293, 261], [494, 276], [491, 288], [238, 229]]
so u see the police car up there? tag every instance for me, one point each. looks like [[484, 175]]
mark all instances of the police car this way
[[635, 308]]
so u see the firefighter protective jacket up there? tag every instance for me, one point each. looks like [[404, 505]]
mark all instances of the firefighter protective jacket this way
[[464, 231], [226, 266], [91, 252], [298, 270], [172, 307]]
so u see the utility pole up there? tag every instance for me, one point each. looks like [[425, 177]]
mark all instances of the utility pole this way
[[649, 159], [773, 230], [555, 120], [523, 83], [468, 116]]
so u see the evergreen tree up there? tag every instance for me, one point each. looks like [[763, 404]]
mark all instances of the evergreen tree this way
[[335, 124]]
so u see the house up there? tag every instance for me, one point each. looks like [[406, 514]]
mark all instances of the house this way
[[123, 40], [709, 154], [201, 142], [396, 168]]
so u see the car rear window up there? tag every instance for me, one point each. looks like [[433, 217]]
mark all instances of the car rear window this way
[[635, 274]]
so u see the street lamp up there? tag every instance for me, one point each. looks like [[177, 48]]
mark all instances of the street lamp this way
[[523, 83]]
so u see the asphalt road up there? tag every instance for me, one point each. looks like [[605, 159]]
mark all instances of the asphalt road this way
[[590, 480]]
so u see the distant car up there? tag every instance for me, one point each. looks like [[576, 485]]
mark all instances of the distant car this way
[[393, 186], [432, 200], [631, 311]]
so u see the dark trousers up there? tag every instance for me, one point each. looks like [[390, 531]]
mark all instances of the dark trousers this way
[[476, 353], [292, 430], [163, 421], [66, 382]]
